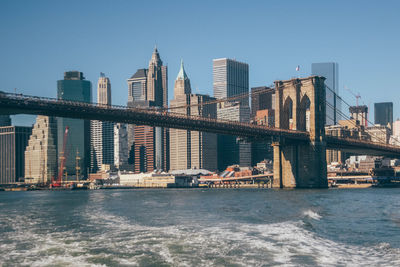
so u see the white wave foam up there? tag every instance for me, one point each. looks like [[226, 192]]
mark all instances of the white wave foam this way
[[312, 214], [115, 240]]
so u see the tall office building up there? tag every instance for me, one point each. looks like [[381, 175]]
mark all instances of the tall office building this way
[[192, 149], [102, 132], [148, 88], [13, 141], [330, 71], [137, 92], [137, 86], [121, 150], [232, 150], [384, 113], [230, 78], [74, 87], [41, 152], [5, 120], [157, 88]]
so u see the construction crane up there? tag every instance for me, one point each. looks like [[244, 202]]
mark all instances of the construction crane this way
[[357, 96], [63, 159]]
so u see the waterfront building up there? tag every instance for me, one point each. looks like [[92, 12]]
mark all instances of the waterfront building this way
[[102, 132], [233, 150], [149, 145], [230, 78], [262, 98], [13, 141], [121, 149], [330, 70], [74, 87], [384, 113], [155, 180], [41, 152], [191, 149], [5, 120]]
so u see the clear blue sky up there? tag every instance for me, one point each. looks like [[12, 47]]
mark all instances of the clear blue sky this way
[[42, 39]]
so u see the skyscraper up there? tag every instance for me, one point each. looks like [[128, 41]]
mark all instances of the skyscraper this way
[[157, 89], [102, 132], [74, 87], [121, 150], [137, 86], [330, 71], [148, 89], [191, 149], [231, 78], [13, 141], [232, 150], [41, 152], [384, 113]]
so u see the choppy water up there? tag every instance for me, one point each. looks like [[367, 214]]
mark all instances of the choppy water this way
[[219, 227]]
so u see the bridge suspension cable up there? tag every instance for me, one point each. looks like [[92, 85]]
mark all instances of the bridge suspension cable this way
[[226, 99], [348, 117]]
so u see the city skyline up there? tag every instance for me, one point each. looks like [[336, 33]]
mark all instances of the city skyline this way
[[355, 44]]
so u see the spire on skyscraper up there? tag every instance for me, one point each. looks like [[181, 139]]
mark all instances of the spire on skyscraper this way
[[155, 57], [182, 74]]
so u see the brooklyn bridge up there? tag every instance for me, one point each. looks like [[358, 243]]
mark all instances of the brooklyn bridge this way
[[298, 138]]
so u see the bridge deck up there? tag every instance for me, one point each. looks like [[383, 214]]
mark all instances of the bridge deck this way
[[22, 104]]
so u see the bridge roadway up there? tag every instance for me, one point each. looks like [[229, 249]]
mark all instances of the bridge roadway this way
[[23, 104]]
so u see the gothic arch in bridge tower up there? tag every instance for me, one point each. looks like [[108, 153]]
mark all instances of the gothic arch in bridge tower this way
[[287, 115], [303, 123]]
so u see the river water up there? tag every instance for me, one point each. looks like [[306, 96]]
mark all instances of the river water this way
[[201, 227]]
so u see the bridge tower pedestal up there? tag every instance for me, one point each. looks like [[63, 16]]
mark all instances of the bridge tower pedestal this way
[[300, 105]]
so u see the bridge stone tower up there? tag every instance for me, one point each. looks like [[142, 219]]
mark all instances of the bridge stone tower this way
[[300, 105]]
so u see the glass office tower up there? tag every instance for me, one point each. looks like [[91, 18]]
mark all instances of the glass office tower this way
[[384, 113], [330, 71], [74, 87]]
